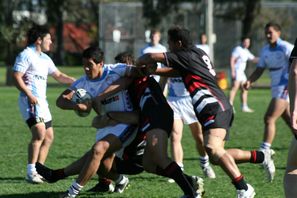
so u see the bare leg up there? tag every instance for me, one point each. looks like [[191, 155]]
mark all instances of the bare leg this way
[[233, 91], [46, 144], [275, 109], [176, 145], [198, 136], [290, 178], [38, 134]]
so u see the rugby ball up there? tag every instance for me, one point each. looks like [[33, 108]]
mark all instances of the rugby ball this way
[[81, 96]]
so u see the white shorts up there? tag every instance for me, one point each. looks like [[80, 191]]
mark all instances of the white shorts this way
[[39, 111], [126, 134], [183, 109], [240, 75], [280, 92]]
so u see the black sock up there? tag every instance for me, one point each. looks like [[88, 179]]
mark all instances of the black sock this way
[[173, 171], [257, 157], [239, 183], [58, 174]]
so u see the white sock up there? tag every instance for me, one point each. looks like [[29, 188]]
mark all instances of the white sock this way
[[265, 145], [31, 168], [181, 165], [74, 189], [204, 161]]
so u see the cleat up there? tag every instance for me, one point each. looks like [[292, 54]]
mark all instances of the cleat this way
[[67, 195], [268, 164], [249, 193], [208, 172], [34, 178], [45, 172], [102, 187], [247, 110], [171, 181], [122, 185], [197, 184], [188, 196]]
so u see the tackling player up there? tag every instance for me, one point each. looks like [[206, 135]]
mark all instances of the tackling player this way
[[211, 106]]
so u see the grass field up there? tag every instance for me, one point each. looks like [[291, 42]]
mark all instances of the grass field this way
[[73, 137]]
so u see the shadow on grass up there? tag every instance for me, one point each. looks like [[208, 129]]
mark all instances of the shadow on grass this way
[[34, 195], [12, 180]]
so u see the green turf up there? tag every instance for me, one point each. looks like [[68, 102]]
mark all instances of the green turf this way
[[73, 137]]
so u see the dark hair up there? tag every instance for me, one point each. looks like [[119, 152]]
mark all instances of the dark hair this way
[[95, 53], [176, 34], [275, 26], [244, 37], [35, 32], [124, 57]]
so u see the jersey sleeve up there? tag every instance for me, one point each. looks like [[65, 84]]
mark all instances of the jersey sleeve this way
[[51, 66], [235, 52], [76, 84], [119, 68], [22, 63], [250, 55]]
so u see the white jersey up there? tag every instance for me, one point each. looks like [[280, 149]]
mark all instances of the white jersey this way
[[119, 101], [154, 49], [36, 68], [204, 47], [176, 88], [241, 55], [277, 61]]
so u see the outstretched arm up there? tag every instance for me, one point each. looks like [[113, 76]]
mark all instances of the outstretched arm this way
[[64, 102], [63, 78], [253, 77]]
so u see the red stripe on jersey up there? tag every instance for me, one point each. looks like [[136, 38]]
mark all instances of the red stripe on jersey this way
[[210, 118], [196, 84]]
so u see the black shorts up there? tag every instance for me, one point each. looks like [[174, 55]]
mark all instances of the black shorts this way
[[131, 161], [32, 121], [223, 119]]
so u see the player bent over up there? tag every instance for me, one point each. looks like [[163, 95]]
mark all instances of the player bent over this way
[[211, 106]]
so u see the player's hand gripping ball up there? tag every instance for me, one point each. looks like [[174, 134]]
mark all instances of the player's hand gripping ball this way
[[81, 96]]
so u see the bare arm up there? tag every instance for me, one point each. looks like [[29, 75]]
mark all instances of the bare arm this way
[[253, 77], [293, 94], [63, 78], [151, 58], [64, 102], [20, 84], [232, 65]]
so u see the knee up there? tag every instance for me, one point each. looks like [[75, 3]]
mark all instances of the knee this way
[[269, 119], [214, 153], [99, 149]]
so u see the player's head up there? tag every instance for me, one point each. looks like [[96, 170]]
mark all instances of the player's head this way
[[272, 32], [203, 38], [155, 36], [125, 57], [39, 36], [93, 61], [179, 38], [245, 42]]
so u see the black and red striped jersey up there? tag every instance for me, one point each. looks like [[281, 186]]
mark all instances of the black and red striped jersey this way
[[199, 77], [294, 52]]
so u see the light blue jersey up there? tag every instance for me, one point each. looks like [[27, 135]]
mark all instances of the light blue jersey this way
[[36, 68], [119, 101], [277, 61]]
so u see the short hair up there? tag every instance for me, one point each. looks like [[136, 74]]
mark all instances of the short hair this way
[[244, 37], [275, 26], [94, 53], [176, 34], [125, 57], [35, 32]]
